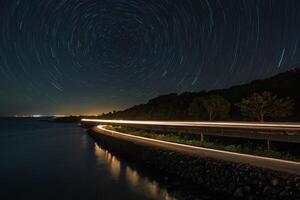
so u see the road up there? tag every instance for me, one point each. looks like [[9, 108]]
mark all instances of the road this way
[[258, 161]]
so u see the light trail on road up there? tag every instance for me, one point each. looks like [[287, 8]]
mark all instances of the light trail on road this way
[[258, 161], [248, 125]]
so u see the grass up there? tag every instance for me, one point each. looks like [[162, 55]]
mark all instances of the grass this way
[[188, 140]]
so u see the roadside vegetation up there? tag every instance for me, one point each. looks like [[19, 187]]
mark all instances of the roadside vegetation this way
[[189, 139]]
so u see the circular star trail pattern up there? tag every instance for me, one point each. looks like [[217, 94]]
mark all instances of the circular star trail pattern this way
[[90, 56]]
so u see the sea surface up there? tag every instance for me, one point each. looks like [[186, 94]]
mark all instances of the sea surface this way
[[44, 160]]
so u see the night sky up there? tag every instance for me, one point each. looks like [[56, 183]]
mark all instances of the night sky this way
[[94, 56]]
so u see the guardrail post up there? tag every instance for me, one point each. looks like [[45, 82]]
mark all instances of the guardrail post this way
[[202, 137], [268, 144]]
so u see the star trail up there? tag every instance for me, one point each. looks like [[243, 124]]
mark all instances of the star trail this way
[[93, 56]]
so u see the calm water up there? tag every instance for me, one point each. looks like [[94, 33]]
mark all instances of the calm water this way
[[41, 160]]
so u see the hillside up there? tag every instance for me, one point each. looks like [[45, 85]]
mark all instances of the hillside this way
[[175, 106]]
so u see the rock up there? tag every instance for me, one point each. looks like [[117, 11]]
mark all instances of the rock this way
[[284, 193], [289, 181], [247, 188], [238, 193], [275, 181], [230, 187], [260, 184], [287, 188], [200, 180], [267, 189]]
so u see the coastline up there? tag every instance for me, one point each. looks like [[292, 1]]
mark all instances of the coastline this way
[[221, 177]]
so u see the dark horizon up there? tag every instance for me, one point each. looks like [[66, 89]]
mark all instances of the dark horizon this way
[[35, 115], [90, 57]]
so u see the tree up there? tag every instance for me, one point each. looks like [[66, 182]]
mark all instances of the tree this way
[[263, 105], [212, 106]]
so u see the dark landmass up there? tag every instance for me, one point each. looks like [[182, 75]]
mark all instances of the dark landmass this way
[[175, 106]]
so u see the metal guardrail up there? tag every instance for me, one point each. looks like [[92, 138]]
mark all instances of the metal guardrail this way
[[243, 125], [282, 132]]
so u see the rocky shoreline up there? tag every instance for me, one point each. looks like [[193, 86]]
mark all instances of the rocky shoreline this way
[[223, 179]]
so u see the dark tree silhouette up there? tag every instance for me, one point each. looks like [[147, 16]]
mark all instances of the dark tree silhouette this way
[[261, 105], [212, 106]]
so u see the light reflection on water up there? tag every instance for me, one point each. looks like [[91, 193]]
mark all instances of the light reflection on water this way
[[62, 160], [135, 181]]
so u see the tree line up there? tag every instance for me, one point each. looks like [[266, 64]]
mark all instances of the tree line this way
[[258, 106], [275, 98]]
